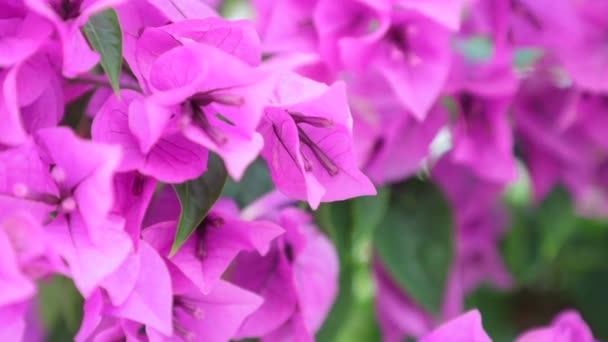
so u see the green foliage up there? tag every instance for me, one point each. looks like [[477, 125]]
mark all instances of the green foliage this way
[[255, 182], [105, 36], [415, 241], [60, 308], [559, 257], [196, 198]]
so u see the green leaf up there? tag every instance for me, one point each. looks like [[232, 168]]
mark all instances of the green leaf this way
[[496, 312], [368, 212], [196, 198], [414, 241], [105, 36], [255, 182], [60, 308], [336, 220]]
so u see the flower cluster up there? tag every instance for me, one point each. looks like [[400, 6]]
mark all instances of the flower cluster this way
[[94, 202], [337, 97]]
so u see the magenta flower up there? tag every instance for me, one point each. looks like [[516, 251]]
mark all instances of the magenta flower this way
[[75, 198], [133, 194], [464, 328], [68, 16], [411, 51], [568, 326], [152, 143], [31, 97], [391, 143], [297, 279], [286, 25], [213, 317], [208, 253], [308, 142], [132, 298], [190, 79], [445, 12], [23, 36], [584, 54]]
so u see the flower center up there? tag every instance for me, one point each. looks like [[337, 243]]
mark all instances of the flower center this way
[[67, 9], [183, 305], [64, 202], [399, 38]]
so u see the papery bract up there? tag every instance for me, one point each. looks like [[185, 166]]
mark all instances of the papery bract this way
[[308, 143]]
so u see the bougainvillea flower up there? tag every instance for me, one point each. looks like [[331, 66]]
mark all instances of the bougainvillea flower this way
[[179, 10], [464, 328], [483, 137], [568, 326], [286, 25], [206, 255], [17, 287], [532, 25], [551, 153], [220, 98], [82, 173], [133, 193], [31, 98], [28, 255], [68, 16], [480, 224], [411, 52], [70, 238], [297, 279], [146, 304], [21, 33], [447, 13], [213, 317], [14, 321], [74, 180], [151, 143], [584, 56], [308, 142]]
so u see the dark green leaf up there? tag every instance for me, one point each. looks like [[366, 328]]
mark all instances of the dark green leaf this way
[[496, 313], [196, 198], [368, 212], [414, 241], [335, 219], [105, 36], [255, 182], [60, 308]]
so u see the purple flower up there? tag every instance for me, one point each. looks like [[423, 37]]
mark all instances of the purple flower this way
[[308, 142], [568, 326], [68, 16], [216, 108], [286, 25], [208, 253], [23, 34], [31, 97], [297, 279], [411, 51], [152, 142], [391, 143], [133, 298], [70, 190], [464, 328]]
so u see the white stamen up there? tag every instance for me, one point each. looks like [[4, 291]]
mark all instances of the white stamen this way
[[68, 204], [20, 190], [58, 174], [414, 59]]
